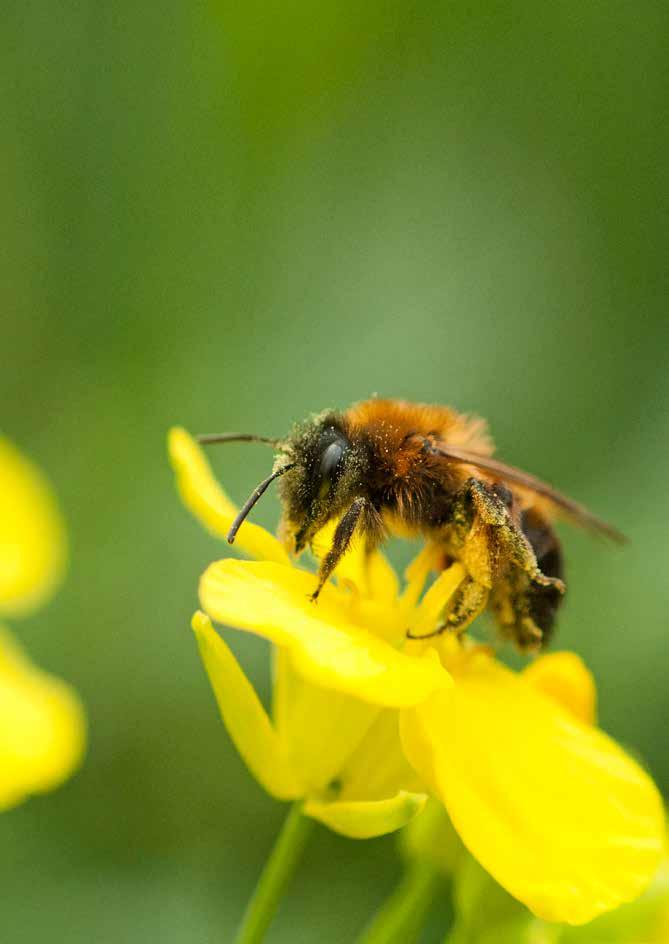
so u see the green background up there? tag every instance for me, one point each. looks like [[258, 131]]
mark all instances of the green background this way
[[230, 215]]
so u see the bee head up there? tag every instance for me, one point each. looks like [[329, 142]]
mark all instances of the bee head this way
[[320, 470], [324, 478]]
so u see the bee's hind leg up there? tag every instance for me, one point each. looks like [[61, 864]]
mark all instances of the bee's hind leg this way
[[523, 555], [525, 610], [526, 601]]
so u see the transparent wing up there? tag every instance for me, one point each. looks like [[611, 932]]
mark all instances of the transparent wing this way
[[576, 512]]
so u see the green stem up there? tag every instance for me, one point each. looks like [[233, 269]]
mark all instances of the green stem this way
[[276, 874], [402, 916]]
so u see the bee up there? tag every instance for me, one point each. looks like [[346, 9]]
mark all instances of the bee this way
[[386, 467]]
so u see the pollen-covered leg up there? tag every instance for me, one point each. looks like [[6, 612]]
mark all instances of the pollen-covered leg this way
[[526, 603], [525, 599], [468, 602], [340, 543], [498, 553], [525, 610]]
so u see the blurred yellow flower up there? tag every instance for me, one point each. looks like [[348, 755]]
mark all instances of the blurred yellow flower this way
[[42, 726], [484, 912], [32, 534], [551, 807]]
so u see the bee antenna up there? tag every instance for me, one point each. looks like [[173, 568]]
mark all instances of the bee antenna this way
[[209, 438], [255, 495]]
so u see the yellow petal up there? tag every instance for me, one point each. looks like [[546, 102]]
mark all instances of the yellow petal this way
[[382, 582], [32, 534], [307, 717], [418, 571], [328, 650], [565, 677], [378, 767], [365, 819], [206, 500], [42, 727], [245, 718], [555, 810], [432, 605]]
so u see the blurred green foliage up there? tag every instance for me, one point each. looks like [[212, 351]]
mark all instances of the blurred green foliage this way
[[231, 215]]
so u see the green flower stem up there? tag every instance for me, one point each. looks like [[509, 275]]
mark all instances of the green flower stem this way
[[275, 876], [402, 916]]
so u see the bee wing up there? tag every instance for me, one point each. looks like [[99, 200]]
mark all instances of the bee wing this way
[[508, 473]]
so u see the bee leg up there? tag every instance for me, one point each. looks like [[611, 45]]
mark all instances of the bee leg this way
[[526, 607], [468, 601], [544, 601], [490, 503], [478, 514], [525, 611], [340, 542], [524, 597], [507, 535]]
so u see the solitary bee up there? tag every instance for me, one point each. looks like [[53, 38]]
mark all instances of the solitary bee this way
[[391, 467]]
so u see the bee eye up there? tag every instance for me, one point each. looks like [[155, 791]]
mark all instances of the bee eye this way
[[330, 459]]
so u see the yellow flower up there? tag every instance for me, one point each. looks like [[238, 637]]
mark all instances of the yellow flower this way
[[32, 535], [482, 910], [333, 740], [550, 806], [42, 727]]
